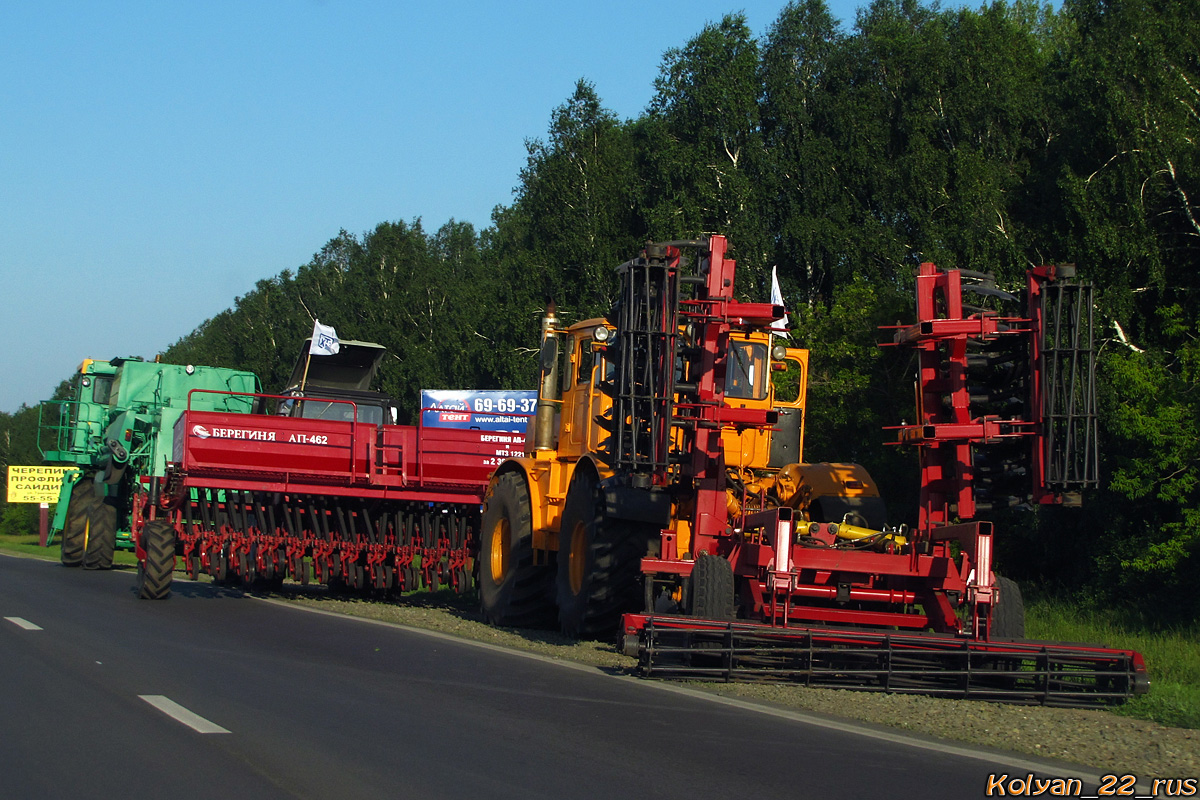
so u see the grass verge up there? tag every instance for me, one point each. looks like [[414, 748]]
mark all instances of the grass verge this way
[[1172, 655], [28, 545]]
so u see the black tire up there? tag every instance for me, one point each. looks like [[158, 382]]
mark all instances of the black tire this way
[[712, 588], [1008, 614], [218, 560], [79, 513], [248, 567], [101, 538], [154, 572], [599, 563], [513, 591]]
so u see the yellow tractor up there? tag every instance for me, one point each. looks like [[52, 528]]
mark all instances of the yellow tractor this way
[[599, 517]]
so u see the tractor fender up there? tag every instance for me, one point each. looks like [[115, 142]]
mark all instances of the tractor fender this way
[[547, 480], [542, 477]]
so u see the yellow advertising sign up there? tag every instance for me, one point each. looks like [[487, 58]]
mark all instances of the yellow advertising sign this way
[[35, 484]]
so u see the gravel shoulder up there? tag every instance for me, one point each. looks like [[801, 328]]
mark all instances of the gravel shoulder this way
[[1098, 739]]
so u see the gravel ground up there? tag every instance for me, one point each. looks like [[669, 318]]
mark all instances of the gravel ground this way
[[1092, 738]]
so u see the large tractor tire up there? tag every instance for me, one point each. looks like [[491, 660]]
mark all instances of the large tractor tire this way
[[102, 537], [513, 591], [79, 515], [154, 572], [599, 563], [1008, 615], [712, 588]]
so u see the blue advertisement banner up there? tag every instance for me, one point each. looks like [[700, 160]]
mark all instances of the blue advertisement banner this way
[[482, 409]]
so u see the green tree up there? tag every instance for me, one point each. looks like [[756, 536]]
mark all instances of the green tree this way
[[18, 447], [699, 143], [578, 189], [1127, 176], [803, 197], [855, 388]]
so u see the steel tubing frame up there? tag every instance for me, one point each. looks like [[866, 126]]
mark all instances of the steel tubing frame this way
[[348, 542]]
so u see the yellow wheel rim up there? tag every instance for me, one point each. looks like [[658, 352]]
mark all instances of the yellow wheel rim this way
[[498, 557], [578, 562]]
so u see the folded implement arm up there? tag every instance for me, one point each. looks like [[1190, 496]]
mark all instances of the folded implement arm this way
[[1011, 671], [824, 592]]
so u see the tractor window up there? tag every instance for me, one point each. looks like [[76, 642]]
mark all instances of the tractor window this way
[[567, 357], [787, 382], [323, 409], [587, 361], [101, 390], [746, 373], [372, 415], [114, 386]]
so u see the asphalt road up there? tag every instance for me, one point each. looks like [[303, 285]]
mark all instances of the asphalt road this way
[[213, 695]]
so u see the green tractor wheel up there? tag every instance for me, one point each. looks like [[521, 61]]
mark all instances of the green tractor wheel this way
[[102, 537], [79, 514]]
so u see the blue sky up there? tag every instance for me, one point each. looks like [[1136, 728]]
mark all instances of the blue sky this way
[[159, 158]]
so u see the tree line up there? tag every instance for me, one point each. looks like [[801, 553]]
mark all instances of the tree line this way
[[990, 139]]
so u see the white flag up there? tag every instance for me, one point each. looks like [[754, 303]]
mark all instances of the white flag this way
[[779, 326], [324, 340]]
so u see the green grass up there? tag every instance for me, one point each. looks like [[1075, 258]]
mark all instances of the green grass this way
[[1172, 655], [29, 546]]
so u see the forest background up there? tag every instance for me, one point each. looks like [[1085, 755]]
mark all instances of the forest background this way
[[991, 139]]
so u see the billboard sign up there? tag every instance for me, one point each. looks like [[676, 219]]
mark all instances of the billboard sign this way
[[35, 484], [482, 409]]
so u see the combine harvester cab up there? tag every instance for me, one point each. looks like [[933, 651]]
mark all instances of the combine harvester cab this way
[[118, 426], [664, 473], [320, 485]]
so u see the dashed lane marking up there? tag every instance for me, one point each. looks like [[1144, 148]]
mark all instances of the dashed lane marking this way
[[181, 714], [21, 622]]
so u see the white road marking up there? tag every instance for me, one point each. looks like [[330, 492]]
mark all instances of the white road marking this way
[[23, 623], [181, 714]]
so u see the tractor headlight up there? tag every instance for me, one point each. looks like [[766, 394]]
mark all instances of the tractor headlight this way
[[601, 333], [778, 352]]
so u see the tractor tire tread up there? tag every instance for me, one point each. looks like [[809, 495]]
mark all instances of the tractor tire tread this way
[[154, 573], [75, 530], [712, 588], [102, 537], [612, 586], [1008, 615], [522, 599]]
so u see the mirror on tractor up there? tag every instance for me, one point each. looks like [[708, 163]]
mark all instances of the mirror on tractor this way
[[549, 354]]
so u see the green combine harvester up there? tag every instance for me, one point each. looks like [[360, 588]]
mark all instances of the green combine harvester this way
[[119, 426]]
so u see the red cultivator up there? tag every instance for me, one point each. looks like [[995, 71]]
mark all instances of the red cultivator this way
[[825, 593]]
